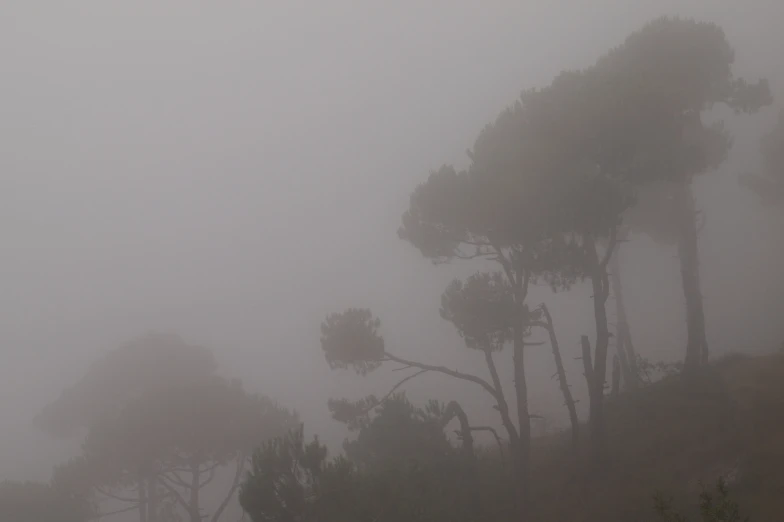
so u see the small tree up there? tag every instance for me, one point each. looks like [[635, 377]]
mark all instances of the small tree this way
[[174, 443]]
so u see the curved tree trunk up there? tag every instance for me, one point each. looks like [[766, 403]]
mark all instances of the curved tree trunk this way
[[561, 373], [452, 410], [688, 253]]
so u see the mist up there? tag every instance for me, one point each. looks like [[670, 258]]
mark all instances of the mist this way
[[233, 172]]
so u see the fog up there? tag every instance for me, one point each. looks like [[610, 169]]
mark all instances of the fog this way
[[232, 172]]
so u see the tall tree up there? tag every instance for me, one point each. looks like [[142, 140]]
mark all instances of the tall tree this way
[[665, 76], [504, 209]]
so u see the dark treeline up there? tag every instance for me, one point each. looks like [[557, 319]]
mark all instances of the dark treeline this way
[[555, 186]]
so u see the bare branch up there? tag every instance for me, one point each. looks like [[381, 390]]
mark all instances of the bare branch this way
[[177, 479], [235, 484], [498, 439], [398, 385], [115, 496], [446, 371], [176, 494], [115, 512]]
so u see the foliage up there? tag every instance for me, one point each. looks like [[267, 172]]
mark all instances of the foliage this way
[[351, 338], [400, 467], [144, 364], [714, 507], [651, 372], [482, 310]]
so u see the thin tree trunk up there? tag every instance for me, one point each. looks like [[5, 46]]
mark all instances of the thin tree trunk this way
[[562, 381], [193, 504], [616, 376], [522, 464], [234, 485], [152, 499], [600, 284], [688, 253], [503, 407], [522, 459], [142, 499], [623, 344]]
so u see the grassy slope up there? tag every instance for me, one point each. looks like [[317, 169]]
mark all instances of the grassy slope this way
[[674, 437]]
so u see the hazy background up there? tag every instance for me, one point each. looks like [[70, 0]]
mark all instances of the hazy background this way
[[232, 171]]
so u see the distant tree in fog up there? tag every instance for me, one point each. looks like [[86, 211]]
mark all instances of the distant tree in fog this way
[[769, 185], [160, 425], [664, 77], [400, 466]]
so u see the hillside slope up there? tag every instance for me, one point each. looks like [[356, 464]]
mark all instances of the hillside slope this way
[[676, 437]]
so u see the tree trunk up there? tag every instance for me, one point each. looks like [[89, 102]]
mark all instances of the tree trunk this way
[[152, 499], [142, 499], [623, 341], [616, 376], [600, 284], [563, 383], [688, 253], [193, 504], [503, 407], [523, 450]]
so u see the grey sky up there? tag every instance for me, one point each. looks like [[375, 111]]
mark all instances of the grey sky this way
[[233, 171]]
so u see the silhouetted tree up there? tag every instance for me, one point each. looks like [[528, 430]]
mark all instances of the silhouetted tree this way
[[173, 443], [482, 310], [400, 466], [161, 425], [664, 77]]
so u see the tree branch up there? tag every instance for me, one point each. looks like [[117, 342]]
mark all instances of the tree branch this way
[[115, 512], [498, 439], [446, 371], [176, 494], [234, 485], [100, 490], [611, 243], [177, 479], [398, 385]]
